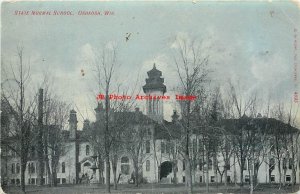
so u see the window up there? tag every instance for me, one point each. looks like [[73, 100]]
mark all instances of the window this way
[[148, 165], [200, 164], [288, 178], [18, 181], [58, 180], [272, 178], [210, 164], [172, 150], [63, 181], [271, 164], [194, 145], [183, 165], [87, 150], [228, 165], [183, 179], [291, 163], [63, 167], [201, 179], [168, 147], [32, 168], [149, 131], [163, 148], [33, 181], [212, 179], [147, 146], [247, 178], [228, 179], [13, 169], [87, 164], [245, 165], [18, 168], [284, 163], [125, 165]]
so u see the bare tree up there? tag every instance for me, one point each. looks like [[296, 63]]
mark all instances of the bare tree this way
[[193, 74], [56, 117], [17, 95], [105, 64]]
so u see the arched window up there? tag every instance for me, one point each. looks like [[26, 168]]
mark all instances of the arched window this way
[[63, 167], [210, 164], [87, 164], [13, 168], [32, 168], [291, 163], [87, 150], [147, 146], [125, 165], [148, 165], [18, 168]]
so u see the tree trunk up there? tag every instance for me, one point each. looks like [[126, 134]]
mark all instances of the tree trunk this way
[[114, 168], [106, 143], [242, 172], [207, 174], [189, 175], [107, 173], [225, 174], [54, 178], [175, 172], [49, 172], [250, 166], [279, 171], [23, 169], [136, 172]]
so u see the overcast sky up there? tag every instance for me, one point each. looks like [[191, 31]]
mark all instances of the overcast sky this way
[[249, 42]]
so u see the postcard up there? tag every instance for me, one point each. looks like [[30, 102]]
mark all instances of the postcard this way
[[150, 96]]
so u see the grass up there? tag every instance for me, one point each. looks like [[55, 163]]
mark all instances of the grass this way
[[151, 188]]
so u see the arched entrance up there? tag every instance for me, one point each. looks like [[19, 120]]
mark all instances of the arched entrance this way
[[165, 169]]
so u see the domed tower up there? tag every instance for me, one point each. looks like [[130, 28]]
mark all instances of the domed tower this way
[[155, 87]]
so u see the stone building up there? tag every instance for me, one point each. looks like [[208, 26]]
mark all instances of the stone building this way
[[159, 158]]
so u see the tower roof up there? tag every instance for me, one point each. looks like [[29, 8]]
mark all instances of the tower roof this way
[[154, 72], [154, 81]]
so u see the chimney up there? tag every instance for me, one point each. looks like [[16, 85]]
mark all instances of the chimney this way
[[73, 124], [86, 125]]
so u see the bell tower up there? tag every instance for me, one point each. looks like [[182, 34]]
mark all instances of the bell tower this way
[[155, 87]]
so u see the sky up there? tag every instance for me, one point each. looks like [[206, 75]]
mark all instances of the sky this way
[[251, 43]]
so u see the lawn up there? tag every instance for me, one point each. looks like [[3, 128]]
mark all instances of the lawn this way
[[150, 188]]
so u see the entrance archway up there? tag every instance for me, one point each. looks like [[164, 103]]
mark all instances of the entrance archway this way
[[165, 169]]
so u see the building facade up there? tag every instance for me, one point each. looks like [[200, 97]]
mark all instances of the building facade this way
[[159, 159]]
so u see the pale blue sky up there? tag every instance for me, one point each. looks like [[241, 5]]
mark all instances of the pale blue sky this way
[[246, 41]]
